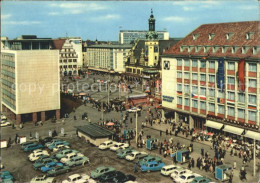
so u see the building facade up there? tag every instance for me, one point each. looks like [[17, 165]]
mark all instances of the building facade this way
[[107, 58], [30, 84], [212, 77]]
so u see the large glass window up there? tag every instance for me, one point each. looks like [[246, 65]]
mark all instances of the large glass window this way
[[186, 75], [202, 105], [194, 63], [211, 92], [195, 103], [231, 95], [202, 64], [202, 91], [179, 100], [194, 76], [187, 102], [252, 83], [211, 107], [231, 65], [187, 88], [194, 89], [179, 62], [179, 74], [203, 77], [212, 64], [221, 94], [241, 97], [252, 115], [186, 62], [221, 109], [252, 67], [179, 87], [241, 113], [231, 80], [231, 111], [212, 78], [252, 99]]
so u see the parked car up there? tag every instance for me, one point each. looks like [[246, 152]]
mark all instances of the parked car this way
[[119, 146], [60, 147], [152, 166], [55, 144], [6, 176], [58, 170], [136, 155], [106, 145], [3, 117], [107, 177], [186, 178], [47, 144], [39, 164], [64, 152], [100, 171], [24, 144], [5, 123], [134, 109], [32, 147], [37, 155], [49, 166], [40, 151], [149, 159], [46, 140], [121, 177], [77, 178], [124, 153], [70, 156], [42, 157], [168, 169], [201, 179], [78, 160], [179, 171], [42, 179]]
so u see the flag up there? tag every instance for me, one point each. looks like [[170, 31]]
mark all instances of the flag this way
[[194, 95], [221, 74], [179, 92], [241, 75], [202, 97]]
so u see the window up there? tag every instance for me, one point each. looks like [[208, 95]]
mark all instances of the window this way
[[231, 95], [186, 63], [187, 88], [252, 83], [186, 75], [241, 113], [221, 109], [252, 67], [241, 97], [179, 100], [179, 75], [187, 102], [231, 80], [194, 63], [194, 89], [252, 99], [179, 87], [211, 107], [203, 77], [179, 62], [211, 92], [231, 66], [194, 76], [166, 65], [212, 64], [212, 78], [221, 94], [252, 115], [202, 105], [202, 91], [231, 111], [195, 103], [203, 64]]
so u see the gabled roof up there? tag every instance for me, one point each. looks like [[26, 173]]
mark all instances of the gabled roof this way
[[237, 37], [58, 43]]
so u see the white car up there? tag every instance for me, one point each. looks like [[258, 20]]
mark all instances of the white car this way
[[3, 117], [5, 123], [61, 146], [77, 178], [39, 151], [168, 169], [186, 177], [91, 181], [134, 109], [134, 154], [119, 145], [35, 156], [69, 156], [106, 145], [42, 179], [178, 172]]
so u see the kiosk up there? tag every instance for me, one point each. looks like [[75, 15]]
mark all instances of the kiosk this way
[[183, 156], [151, 143], [222, 172]]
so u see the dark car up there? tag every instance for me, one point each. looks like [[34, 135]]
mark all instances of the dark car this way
[[45, 140], [23, 145], [107, 177], [121, 177]]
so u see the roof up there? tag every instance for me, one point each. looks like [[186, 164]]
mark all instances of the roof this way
[[58, 43], [95, 131], [237, 37]]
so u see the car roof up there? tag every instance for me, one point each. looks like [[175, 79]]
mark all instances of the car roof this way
[[74, 176], [188, 174], [170, 166], [152, 162]]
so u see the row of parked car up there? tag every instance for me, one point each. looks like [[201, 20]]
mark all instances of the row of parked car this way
[[4, 122]]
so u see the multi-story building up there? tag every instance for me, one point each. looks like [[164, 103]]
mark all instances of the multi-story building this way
[[30, 84], [107, 58], [212, 77], [71, 57]]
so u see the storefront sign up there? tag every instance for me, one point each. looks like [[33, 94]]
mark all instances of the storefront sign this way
[[167, 98]]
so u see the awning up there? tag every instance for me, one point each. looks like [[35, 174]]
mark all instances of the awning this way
[[252, 135], [213, 124], [234, 130]]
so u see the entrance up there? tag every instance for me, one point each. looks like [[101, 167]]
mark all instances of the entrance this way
[[199, 123]]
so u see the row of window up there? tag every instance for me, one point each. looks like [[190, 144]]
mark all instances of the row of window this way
[[68, 66], [69, 60], [252, 67], [252, 115]]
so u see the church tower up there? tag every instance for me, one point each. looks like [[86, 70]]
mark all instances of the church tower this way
[[151, 34]]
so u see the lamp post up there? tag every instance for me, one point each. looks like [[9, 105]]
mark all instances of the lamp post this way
[[136, 128]]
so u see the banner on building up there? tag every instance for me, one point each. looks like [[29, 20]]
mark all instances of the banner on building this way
[[221, 74], [241, 75]]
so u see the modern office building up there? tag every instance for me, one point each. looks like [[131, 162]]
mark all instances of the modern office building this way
[[212, 77], [107, 57], [30, 84]]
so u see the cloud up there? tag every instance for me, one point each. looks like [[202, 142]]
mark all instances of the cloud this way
[[75, 8], [187, 8], [21, 22], [176, 19], [5, 16], [106, 17], [247, 7], [190, 5]]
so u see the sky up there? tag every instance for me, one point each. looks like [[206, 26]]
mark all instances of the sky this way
[[103, 20]]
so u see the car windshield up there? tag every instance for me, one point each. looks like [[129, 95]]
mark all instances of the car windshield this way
[[102, 144], [183, 177]]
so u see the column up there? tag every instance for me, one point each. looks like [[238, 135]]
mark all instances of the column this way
[[34, 117], [18, 119], [176, 116], [163, 113], [58, 114], [43, 116], [191, 122]]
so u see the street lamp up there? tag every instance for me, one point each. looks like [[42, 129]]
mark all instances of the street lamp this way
[[136, 136]]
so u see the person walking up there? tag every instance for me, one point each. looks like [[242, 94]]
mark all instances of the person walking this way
[[136, 168], [160, 133]]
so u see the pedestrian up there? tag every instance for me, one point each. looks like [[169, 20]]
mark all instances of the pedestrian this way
[[165, 153], [166, 131], [192, 163], [235, 165], [75, 118], [136, 168], [189, 165], [30, 135], [202, 151], [16, 137], [160, 133]]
